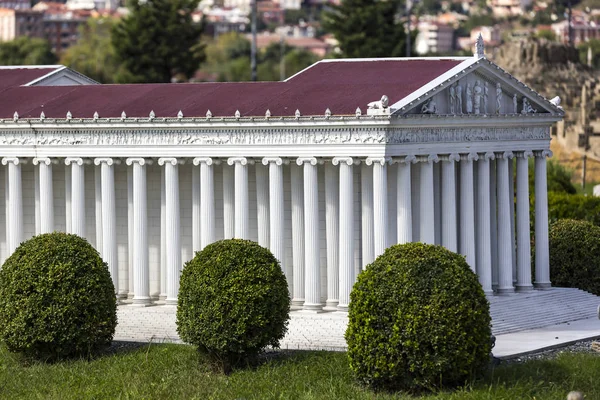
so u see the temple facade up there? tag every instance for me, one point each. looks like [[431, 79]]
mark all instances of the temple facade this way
[[326, 169]]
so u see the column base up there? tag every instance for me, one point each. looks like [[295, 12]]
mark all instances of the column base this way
[[312, 307], [162, 297], [142, 302], [342, 309], [171, 302], [523, 288], [502, 291], [297, 302], [122, 294], [331, 305], [542, 285]]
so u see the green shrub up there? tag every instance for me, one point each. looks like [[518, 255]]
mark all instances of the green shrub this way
[[233, 302], [57, 298], [573, 206], [558, 177], [418, 319], [575, 255]]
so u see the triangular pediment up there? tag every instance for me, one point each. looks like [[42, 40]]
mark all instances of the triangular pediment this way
[[477, 88]]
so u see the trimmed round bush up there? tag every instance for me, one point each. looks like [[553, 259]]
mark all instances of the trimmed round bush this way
[[233, 302], [418, 319], [57, 298], [575, 255]]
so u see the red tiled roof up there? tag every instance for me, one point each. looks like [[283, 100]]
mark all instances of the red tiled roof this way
[[10, 77], [340, 86]]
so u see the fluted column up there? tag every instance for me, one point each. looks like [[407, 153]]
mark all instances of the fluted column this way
[[298, 256], [46, 194], [15, 203], [163, 237], [366, 204], [130, 228], [494, 223], [141, 277], [380, 204], [467, 207], [77, 195], [404, 200], [542, 254], [276, 210], [109, 218], [332, 215], [346, 230], [505, 279], [482, 227], [228, 202], [312, 286], [68, 209], [449, 231], [511, 195], [427, 213], [263, 206], [242, 220], [98, 207], [36, 194], [173, 231], [196, 230], [207, 200], [523, 229]]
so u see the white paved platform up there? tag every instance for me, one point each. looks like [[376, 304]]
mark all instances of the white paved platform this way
[[522, 323]]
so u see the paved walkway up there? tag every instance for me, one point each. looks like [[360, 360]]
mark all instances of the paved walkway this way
[[522, 323]]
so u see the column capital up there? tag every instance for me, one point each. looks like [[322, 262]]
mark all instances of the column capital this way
[[429, 158], [241, 160], [507, 155], [303, 160], [346, 160], [469, 157], [490, 155], [524, 154], [40, 160], [206, 160], [277, 160], [409, 159], [378, 160], [454, 157], [107, 160], [138, 160], [167, 160], [543, 153], [14, 160], [74, 160]]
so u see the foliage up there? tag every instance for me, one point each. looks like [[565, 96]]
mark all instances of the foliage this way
[[583, 52], [418, 319], [158, 40], [57, 298], [573, 206], [478, 20], [366, 28], [557, 175], [94, 54], [233, 301], [575, 255], [547, 34], [26, 51]]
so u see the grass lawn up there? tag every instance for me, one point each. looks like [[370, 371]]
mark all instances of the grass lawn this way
[[170, 371]]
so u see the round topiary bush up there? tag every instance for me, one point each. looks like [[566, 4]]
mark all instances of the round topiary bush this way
[[233, 301], [57, 298], [575, 255], [418, 319]]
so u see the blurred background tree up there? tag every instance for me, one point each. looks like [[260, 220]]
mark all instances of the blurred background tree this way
[[26, 51]]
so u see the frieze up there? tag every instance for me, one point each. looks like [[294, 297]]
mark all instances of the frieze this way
[[308, 136]]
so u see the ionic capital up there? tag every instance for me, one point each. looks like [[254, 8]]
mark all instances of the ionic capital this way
[[106, 160], [544, 153], [241, 160], [277, 160], [430, 158], [454, 157], [346, 160], [378, 160], [74, 160], [507, 155], [524, 154], [410, 159], [206, 160], [138, 160], [42, 160], [304, 160], [12, 160], [167, 160], [490, 155]]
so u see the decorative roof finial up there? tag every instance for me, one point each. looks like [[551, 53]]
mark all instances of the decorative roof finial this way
[[237, 113], [152, 115], [327, 113], [16, 116], [69, 115], [208, 114], [42, 116], [479, 47], [297, 114], [123, 116], [268, 113], [96, 116], [358, 112], [180, 114]]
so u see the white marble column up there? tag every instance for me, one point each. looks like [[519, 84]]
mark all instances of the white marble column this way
[[228, 202], [449, 227], [98, 207], [109, 218], [46, 194], [380, 204], [163, 237], [36, 193], [130, 228], [196, 222], [482, 226], [346, 230], [207, 200], [511, 194], [523, 229], [312, 286], [15, 203], [77, 195], [262, 205], [542, 254], [404, 199], [173, 231], [427, 214], [332, 215], [242, 216], [494, 223], [68, 208], [505, 279], [276, 211], [467, 209], [141, 270], [298, 257], [366, 204]]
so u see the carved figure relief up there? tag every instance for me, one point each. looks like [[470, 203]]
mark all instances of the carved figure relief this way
[[477, 97], [515, 104], [469, 96], [498, 98], [485, 97], [527, 108], [459, 106], [452, 100], [429, 107]]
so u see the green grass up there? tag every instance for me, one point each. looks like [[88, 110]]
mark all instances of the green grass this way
[[176, 372]]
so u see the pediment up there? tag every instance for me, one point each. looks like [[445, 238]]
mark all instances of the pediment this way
[[478, 89]]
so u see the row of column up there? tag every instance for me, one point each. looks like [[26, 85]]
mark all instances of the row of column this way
[[487, 195]]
